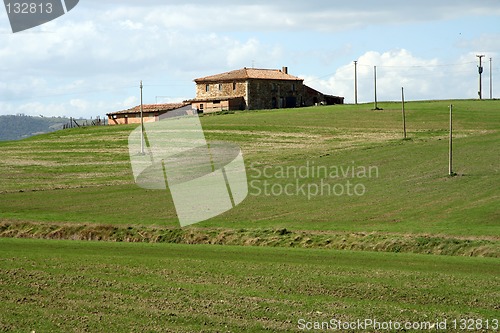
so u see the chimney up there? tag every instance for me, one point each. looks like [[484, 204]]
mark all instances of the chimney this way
[[285, 69]]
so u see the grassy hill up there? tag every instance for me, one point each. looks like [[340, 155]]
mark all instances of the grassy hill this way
[[84, 175], [77, 185]]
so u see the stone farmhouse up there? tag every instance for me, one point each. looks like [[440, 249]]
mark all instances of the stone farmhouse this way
[[242, 89], [253, 89]]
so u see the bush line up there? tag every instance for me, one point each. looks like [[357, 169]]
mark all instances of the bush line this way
[[355, 241]]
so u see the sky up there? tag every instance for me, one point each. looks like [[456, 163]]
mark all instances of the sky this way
[[90, 61]]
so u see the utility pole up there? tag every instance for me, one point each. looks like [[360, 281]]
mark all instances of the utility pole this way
[[491, 82], [403, 109], [480, 69], [355, 82], [375, 78], [142, 124], [450, 162]]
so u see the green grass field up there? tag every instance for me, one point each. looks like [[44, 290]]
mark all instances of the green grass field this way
[[77, 185], [84, 175], [69, 286]]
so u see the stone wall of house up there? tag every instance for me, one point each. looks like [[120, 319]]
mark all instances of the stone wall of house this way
[[124, 119], [259, 94], [313, 97], [272, 94], [220, 89], [207, 106]]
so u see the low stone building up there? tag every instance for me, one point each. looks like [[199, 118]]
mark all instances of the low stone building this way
[[242, 89], [252, 88], [150, 113], [314, 97]]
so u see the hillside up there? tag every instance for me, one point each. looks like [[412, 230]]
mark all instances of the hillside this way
[[19, 127], [84, 176], [82, 248]]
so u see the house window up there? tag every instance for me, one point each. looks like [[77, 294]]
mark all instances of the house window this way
[[201, 106], [220, 86], [207, 87], [234, 85], [293, 86]]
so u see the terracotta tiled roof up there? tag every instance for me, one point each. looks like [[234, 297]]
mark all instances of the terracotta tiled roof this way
[[151, 108], [249, 73]]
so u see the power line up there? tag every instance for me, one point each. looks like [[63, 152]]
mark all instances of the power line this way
[[417, 66], [86, 92], [357, 63]]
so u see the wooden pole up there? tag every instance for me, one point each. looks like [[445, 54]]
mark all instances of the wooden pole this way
[[356, 82], [450, 164], [491, 82], [375, 78], [480, 68], [142, 124], [403, 109]]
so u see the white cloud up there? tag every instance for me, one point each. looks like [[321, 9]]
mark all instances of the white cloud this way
[[242, 54], [280, 15], [486, 43], [37, 108], [79, 104], [421, 78], [128, 24], [76, 108], [92, 58]]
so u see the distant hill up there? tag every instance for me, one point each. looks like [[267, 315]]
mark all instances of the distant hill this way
[[20, 127]]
